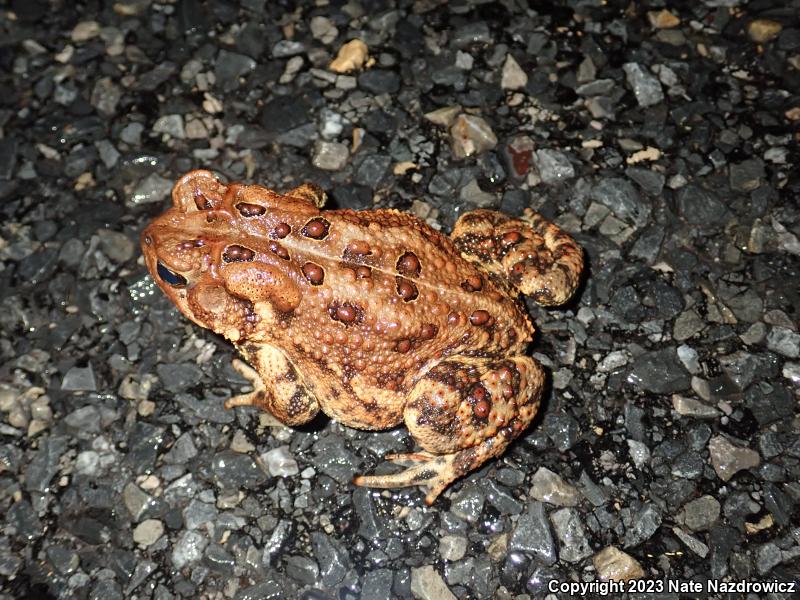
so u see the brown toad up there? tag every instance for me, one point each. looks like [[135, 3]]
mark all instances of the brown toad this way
[[372, 317]]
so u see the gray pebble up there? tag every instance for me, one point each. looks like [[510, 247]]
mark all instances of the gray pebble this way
[[501, 499], [106, 96], [152, 188], [700, 514], [532, 534], [331, 557], [652, 182], [230, 66], [768, 557], [287, 48], [452, 547], [199, 515], [232, 471], [171, 125], [468, 504], [622, 198], [84, 420], [747, 175], [188, 548], [330, 156], [45, 463], [79, 379], [8, 156], [471, 33], [177, 377], [644, 84], [182, 451], [700, 206], [659, 372], [131, 134], [377, 584], [549, 487], [379, 81], [574, 545], [644, 524], [562, 429], [24, 522], [784, 341], [302, 569], [332, 459], [553, 166], [372, 170], [427, 584], [63, 558], [280, 462], [728, 459]]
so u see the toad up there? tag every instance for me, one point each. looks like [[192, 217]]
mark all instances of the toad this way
[[372, 317]]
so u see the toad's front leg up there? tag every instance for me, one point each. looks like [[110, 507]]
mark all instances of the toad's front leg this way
[[277, 386], [463, 412]]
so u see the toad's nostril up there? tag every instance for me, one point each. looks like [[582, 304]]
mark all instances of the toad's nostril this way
[[170, 277], [201, 201]]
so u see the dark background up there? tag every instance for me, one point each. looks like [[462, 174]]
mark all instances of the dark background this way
[[670, 431]]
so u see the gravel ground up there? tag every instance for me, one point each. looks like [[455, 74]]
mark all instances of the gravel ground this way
[[664, 139]]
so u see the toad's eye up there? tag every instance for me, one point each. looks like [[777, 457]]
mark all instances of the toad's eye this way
[[169, 277]]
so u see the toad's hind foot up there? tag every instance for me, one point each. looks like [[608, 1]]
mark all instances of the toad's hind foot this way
[[311, 193], [431, 472], [410, 457], [535, 256]]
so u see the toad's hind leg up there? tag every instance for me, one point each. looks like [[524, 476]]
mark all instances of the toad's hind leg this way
[[537, 257], [310, 192], [463, 412], [287, 398]]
